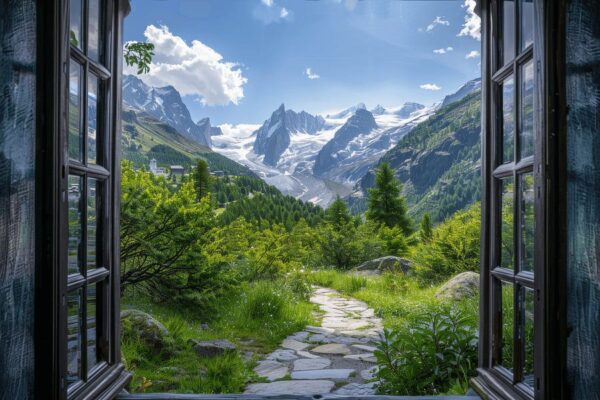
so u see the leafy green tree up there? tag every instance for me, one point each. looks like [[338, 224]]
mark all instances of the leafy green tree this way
[[138, 54], [426, 228], [385, 203], [338, 214], [202, 179]]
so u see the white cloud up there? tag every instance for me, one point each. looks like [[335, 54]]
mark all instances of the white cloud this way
[[443, 50], [268, 3], [472, 54], [272, 13], [437, 21], [430, 86], [472, 25], [194, 70], [284, 12], [310, 74]]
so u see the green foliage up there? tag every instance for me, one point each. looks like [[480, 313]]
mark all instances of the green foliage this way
[[139, 54], [426, 231], [386, 206], [429, 355], [166, 155], [202, 179], [453, 248], [337, 214]]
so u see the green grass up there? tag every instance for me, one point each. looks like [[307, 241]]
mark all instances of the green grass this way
[[256, 317], [395, 297]]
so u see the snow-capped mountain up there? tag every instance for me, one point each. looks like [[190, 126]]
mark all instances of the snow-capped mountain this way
[[164, 104], [348, 112], [465, 90], [207, 129], [273, 137]]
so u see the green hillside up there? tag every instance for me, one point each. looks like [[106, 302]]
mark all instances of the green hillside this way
[[438, 162], [145, 138]]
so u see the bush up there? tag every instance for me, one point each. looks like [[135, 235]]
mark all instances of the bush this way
[[454, 248], [264, 302], [430, 355]]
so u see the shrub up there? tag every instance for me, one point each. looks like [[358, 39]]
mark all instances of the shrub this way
[[428, 356], [264, 302], [454, 248]]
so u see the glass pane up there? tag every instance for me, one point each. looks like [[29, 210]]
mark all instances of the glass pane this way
[[75, 137], [506, 223], [527, 222], [526, 23], [93, 30], [74, 329], [508, 30], [92, 353], [92, 117], [75, 222], [92, 215], [526, 128], [75, 29], [508, 120], [507, 320], [527, 329]]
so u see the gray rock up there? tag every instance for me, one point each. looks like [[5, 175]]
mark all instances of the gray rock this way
[[308, 387], [367, 357], [332, 348], [387, 263], [146, 328], [282, 355], [212, 348], [272, 370], [357, 389], [306, 354], [368, 374], [338, 374], [293, 344], [305, 364], [463, 285]]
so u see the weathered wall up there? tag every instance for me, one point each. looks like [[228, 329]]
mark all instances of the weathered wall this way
[[17, 139], [583, 197]]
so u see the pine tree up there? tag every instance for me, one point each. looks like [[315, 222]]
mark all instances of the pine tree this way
[[426, 228], [385, 204], [202, 179], [338, 214]]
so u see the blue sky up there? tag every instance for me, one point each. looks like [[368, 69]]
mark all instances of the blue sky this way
[[249, 56]]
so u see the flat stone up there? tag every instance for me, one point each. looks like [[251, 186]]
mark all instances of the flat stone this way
[[282, 355], [212, 348], [272, 370], [299, 336], [338, 374], [357, 389], [368, 357], [305, 364], [306, 354], [294, 344], [332, 348], [318, 329], [370, 349], [368, 374], [308, 387], [317, 338]]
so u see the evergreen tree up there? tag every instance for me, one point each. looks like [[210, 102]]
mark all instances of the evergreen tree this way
[[202, 179], [338, 214], [426, 228], [385, 204]]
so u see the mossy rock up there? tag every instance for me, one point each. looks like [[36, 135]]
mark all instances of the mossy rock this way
[[461, 286], [138, 325]]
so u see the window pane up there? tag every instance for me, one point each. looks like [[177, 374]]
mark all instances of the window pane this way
[[526, 128], [507, 321], [508, 30], [527, 329], [74, 320], [75, 20], [92, 117], [506, 223], [527, 222], [526, 23], [75, 137], [92, 353], [75, 222], [92, 215], [93, 30], [508, 120]]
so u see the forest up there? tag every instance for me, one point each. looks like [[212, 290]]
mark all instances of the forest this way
[[230, 257]]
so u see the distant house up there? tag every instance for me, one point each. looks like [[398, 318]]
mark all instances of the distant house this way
[[155, 169], [177, 171], [217, 173]]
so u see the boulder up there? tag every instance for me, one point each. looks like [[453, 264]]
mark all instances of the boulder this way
[[387, 263], [143, 326], [463, 285], [212, 348]]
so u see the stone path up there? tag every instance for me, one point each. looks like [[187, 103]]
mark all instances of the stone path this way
[[336, 357]]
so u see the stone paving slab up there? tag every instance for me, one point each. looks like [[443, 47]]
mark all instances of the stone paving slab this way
[[272, 370], [332, 348], [308, 387], [337, 374], [305, 364]]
